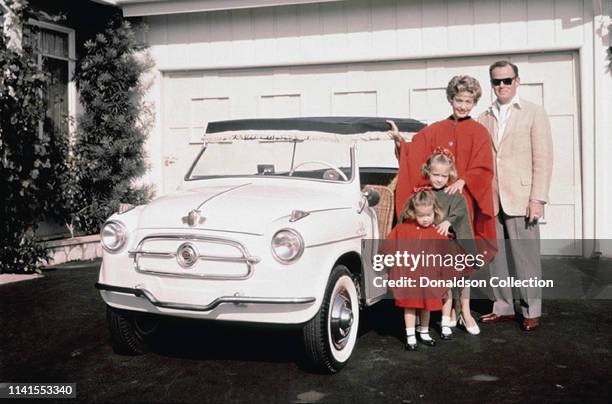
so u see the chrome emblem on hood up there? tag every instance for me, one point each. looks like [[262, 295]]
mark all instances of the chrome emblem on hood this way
[[193, 218]]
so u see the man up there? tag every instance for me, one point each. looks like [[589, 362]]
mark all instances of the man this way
[[523, 156]]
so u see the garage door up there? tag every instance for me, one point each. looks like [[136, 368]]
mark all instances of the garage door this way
[[413, 89]]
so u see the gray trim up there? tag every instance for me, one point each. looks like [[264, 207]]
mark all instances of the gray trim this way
[[140, 8], [143, 293], [336, 241], [316, 211], [222, 192], [204, 229]]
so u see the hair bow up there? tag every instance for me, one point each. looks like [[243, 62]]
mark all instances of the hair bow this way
[[445, 152], [422, 188]]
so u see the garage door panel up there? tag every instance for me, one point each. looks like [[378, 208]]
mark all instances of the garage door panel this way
[[180, 84], [533, 92], [436, 72], [204, 110], [556, 226], [355, 103], [557, 72], [180, 152], [280, 106], [426, 105], [564, 167]]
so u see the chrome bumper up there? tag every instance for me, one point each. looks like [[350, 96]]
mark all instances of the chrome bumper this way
[[139, 292]]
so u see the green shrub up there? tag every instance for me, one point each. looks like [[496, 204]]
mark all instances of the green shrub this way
[[108, 153]]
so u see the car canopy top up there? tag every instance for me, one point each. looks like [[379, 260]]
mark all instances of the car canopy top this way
[[341, 125], [327, 129]]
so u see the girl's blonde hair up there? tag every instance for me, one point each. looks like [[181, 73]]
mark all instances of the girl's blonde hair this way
[[422, 198], [441, 156]]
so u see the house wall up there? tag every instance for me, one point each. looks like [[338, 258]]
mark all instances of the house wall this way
[[384, 30]]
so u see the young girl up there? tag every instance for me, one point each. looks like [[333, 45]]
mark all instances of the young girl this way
[[440, 170], [422, 212]]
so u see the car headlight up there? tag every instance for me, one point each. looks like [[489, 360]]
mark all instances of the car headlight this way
[[287, 246], [113, 236]]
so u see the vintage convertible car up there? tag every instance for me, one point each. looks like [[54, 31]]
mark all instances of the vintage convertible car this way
[[267, 227]]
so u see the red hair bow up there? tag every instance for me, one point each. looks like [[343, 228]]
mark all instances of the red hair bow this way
[[422, 188], [445, 152]]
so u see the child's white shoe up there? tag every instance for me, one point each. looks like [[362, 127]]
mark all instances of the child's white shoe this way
[[446, 332]]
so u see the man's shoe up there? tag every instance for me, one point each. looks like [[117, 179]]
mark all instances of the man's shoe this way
[[494, 318], [530, 324]]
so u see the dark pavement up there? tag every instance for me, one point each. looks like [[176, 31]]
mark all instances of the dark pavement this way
[[53, 329]]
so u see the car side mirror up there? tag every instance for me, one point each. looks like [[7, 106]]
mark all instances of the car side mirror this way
[[369, 198], [372, 196]]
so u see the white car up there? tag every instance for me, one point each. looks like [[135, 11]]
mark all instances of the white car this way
[[267, 227]]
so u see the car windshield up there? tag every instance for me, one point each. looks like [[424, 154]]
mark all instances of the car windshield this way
[[319, 159]]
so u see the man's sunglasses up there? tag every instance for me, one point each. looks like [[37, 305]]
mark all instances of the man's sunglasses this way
[[507, 81]]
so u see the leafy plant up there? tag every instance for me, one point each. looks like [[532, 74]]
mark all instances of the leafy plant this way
[[108, 152]]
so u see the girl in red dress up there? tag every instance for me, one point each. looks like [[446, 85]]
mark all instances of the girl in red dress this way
[[418, 232]]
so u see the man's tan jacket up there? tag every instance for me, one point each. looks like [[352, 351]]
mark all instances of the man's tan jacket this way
[[523, 158]]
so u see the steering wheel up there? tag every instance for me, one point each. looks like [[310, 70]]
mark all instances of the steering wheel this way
[[325, 163]]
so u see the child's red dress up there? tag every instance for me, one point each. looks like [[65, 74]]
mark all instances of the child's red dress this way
[[417, 240]]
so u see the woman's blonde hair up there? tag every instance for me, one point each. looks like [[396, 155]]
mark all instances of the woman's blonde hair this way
[[441, 156], [422, 198], [463, 83]]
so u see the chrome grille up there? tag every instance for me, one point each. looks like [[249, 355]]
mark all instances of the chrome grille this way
[[167, 249]]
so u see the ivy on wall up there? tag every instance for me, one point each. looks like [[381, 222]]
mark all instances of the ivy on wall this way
[[25, 151]]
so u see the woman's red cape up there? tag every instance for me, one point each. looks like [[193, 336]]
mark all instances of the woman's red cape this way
[[471, 145]]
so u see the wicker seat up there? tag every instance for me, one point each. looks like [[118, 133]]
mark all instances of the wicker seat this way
[[384, 209]]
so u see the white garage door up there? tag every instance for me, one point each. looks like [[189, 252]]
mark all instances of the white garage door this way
[[414, 89]]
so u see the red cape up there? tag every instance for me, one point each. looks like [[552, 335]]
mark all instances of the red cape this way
[[471, 145]]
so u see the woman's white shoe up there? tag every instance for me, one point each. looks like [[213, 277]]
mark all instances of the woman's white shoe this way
[[473, 330]]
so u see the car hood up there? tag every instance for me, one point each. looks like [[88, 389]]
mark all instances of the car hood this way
[[245, 207]]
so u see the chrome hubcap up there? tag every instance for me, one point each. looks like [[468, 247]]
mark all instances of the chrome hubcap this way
[[341, 319]]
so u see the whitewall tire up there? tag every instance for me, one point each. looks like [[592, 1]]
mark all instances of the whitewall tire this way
[[330, 337]]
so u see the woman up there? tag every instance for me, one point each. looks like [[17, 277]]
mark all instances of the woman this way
[[471, 145]]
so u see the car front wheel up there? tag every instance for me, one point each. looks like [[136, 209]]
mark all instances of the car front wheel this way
[[131, 332], [331, 335]]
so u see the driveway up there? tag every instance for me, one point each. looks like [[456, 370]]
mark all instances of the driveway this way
[[54, 330]]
